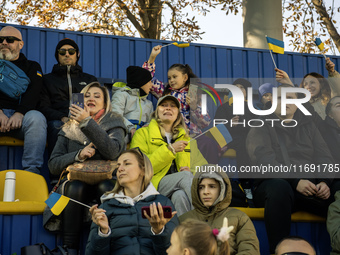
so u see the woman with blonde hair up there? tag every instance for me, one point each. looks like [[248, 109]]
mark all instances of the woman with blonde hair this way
[[166, 142], [118, 225], [92, 133]]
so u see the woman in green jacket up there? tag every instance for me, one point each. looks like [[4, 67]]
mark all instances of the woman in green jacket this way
[[166, 142]]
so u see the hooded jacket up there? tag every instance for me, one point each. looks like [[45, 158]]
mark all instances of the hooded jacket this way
[[304, 145], [55, 95], [243, 239], [107, 136], [130, 233], [150, 141], [135, 109]]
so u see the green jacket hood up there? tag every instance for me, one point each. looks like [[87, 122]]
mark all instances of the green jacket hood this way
[[221, 205]]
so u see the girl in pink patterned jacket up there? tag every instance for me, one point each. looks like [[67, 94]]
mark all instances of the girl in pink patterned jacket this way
[[178, 86]]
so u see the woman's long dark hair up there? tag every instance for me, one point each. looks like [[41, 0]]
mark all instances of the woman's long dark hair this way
[[325, 90], [184, 69]]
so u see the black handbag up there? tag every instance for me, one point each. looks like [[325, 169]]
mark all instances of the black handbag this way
[[42, 249]]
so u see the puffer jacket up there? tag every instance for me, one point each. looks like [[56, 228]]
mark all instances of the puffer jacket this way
[[107, 136], [243, 239], [130, 233], [150, 141], [304, 145], [135, 109], [55, 95]]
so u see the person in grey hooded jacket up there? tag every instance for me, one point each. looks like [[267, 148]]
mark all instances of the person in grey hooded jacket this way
[[118, 225], [130, 100]]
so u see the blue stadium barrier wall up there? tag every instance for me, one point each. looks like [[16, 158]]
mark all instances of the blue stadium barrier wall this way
[[107, 57]]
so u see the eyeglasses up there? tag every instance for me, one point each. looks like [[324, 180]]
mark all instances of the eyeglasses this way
[[9, 39], [62, 52]]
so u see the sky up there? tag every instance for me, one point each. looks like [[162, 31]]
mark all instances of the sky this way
[[232, 34]]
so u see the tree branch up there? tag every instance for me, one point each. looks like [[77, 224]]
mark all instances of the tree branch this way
[[327, 21], [132, 18]]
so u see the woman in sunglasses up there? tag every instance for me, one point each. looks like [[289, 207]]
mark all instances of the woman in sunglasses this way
[[166, 142], [120, 226], [67, 77], [92, 133]]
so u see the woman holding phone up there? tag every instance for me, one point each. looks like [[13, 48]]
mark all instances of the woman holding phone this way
[[92, 133], [118, 226]]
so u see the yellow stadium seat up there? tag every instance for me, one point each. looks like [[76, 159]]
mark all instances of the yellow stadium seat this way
[[258, 214], [10, 141], [30, 190]]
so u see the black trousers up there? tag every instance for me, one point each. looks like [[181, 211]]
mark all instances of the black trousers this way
[[280, 201], [72, 216]]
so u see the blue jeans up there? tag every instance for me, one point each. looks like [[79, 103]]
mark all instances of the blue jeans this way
[[33, 131]]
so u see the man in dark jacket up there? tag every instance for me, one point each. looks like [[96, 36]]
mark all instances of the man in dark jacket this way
[[67, 77], [299, 148], [18, 118]]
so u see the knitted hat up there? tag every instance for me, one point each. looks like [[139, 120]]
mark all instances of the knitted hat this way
[[169, 97], [265, 88], [242, 82], [63, 42], [137, 76]]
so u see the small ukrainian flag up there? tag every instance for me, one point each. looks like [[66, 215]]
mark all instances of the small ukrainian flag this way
[[39, 73], [57, 203], [319, 43], [275, 45], [181, 44], [221, 134]]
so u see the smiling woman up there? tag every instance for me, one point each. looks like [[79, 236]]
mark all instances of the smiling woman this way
[[166, 142], [92, 133]]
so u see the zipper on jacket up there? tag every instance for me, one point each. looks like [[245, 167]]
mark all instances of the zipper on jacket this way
[[69, 83], [141, 112]]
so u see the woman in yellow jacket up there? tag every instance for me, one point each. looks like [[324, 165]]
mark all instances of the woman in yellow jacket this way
[[166, 142]]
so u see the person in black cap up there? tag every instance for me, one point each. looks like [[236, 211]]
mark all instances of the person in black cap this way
[[130, 100], [67, 77]]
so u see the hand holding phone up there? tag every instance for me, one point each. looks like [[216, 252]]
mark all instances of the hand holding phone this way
[[156, 220], [78, 99], [167, 211]]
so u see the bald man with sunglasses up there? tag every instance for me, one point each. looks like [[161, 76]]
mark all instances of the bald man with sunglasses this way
[[67, 77], [19, 117]]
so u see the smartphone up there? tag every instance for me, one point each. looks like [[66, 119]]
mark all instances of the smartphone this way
[[78, 99], [167, 211]]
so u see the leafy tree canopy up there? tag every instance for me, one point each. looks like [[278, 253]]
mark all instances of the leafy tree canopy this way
[[311, 18]]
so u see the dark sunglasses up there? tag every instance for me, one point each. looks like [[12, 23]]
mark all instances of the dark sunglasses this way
[[62, 52], [9, 39]]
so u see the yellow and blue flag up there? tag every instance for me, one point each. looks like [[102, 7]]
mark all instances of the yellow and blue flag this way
[[319, 43], [181, 44], [221, 134], [275, 45], [39, 73], [57, 203]]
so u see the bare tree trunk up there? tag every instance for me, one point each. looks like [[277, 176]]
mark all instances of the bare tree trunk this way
[[321, 10]]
